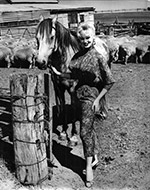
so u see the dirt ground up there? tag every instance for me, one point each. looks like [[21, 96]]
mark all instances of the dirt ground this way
[[124, 139]]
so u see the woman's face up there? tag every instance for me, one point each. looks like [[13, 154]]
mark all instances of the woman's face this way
[[86, 38]]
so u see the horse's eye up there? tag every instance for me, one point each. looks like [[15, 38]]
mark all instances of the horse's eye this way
[[52, 37]]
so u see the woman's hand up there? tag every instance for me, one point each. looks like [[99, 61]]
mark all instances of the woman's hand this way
[[96, 105]]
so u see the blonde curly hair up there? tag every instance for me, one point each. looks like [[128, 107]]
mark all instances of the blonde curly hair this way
[[85, 26]]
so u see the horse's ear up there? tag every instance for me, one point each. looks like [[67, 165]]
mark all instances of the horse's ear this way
[[54, 19], [41, 18]]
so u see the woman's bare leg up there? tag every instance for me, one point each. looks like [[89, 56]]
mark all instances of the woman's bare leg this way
[[89, 171]]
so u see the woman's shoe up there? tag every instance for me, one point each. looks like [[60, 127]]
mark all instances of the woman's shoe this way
[[89, 176], [95, 166], [89, 184]]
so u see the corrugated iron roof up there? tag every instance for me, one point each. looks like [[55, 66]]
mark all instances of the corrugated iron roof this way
[[33, 1], [55, 8]]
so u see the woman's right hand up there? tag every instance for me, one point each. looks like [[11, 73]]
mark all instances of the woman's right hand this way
[[96, 105]]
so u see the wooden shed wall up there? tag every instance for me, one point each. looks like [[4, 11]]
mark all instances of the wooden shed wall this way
[[23, 15]]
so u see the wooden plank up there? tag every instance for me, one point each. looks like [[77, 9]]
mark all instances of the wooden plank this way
[[20, 16], [49, 91]]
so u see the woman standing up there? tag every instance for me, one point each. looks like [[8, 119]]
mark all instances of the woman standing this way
[[93, 79]]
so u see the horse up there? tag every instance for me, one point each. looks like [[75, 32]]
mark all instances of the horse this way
[[56, 47]]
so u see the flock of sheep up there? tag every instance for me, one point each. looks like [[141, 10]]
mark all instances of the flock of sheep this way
[[21, 53], [128, 49], [17, 53]]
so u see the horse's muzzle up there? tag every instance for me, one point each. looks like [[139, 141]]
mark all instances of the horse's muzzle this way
[[41, 65]]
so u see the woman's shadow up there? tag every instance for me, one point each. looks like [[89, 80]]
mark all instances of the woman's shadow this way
[[63, 153], [67, 159]]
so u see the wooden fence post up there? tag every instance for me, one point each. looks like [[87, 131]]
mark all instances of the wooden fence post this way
[[28, 127], [49, 91]]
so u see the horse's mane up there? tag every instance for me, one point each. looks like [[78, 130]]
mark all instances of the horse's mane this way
[[66, 37]]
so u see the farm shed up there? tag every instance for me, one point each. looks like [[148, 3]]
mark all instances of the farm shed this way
[[21, 18]]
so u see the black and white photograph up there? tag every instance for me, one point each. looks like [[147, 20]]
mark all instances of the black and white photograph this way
[[74, 95]]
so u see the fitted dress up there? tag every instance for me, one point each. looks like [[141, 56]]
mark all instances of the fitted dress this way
[[90, 70]]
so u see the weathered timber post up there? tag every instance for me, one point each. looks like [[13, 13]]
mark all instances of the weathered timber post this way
[[28, 121], [49, 91]]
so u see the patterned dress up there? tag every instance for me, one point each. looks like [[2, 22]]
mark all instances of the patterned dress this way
[[89, 68]]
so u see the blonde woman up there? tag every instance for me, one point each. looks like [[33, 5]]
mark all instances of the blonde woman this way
[[89, 67]]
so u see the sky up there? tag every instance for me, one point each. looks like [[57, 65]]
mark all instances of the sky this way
[[102, 5]]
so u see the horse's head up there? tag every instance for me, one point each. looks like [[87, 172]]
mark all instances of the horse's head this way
[[55, 42], [46, 41]]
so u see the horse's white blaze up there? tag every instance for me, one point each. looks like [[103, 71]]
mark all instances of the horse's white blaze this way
[[46, 48], [44, 51]]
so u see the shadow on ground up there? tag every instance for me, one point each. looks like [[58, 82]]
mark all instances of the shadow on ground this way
[[67, 159], [63, 153]]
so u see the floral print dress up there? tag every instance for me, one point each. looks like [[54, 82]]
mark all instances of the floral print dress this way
[[89, 68]]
